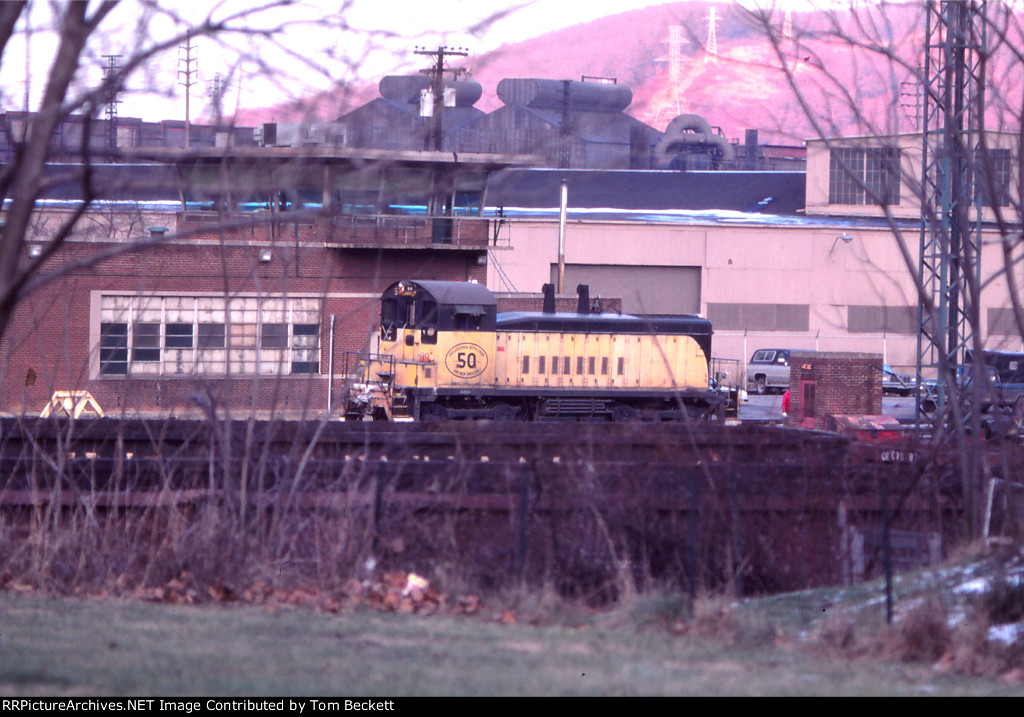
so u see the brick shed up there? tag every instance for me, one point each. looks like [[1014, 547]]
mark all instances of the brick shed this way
[[825, 384]]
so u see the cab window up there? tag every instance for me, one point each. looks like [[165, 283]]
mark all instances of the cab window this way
[[428, 321], [467, 322], [388, 319]]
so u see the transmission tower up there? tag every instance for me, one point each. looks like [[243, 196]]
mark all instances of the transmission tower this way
[[188, 69], [110, 81], [670, 102], [712, 48], [910, 102], [950, 232], [217, 98], [950, 238]]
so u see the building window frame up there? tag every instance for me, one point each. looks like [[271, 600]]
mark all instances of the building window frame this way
[[162, 336], [864, 175]]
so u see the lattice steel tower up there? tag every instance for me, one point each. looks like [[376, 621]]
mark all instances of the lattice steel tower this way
[[110, 78], [950, 232], [711, 55]]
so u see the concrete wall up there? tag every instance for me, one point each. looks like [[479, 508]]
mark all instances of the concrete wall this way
[[857, 295]]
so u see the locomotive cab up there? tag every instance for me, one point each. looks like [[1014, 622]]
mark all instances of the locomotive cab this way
[[436, 337]]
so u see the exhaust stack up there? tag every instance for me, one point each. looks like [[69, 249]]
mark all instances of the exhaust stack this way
[[583, 303], [549, 299]]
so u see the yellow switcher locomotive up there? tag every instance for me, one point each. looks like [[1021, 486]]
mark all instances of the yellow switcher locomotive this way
[[445, 353]]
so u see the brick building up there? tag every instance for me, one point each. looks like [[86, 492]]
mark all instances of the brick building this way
[[180, 311], [829, 384]]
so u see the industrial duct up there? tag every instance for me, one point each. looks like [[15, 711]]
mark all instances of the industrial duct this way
[[407, 89], [559, 94], [687, 131]]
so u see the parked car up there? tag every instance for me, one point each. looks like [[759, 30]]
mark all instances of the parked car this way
[[897, 384], [768, 370]]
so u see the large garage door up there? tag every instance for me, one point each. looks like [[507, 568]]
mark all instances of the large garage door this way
[[643, 289]]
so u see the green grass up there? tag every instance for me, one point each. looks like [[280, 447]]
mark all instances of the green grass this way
[[71, 646]]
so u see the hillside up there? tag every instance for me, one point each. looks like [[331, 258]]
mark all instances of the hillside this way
[[844, 86]]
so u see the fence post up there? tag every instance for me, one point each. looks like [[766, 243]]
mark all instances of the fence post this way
[[886, 547], [378, 500], [691, 563], [524, 506]]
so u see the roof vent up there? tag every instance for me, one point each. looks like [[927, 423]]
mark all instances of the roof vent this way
[[583, 303], [549, 298]]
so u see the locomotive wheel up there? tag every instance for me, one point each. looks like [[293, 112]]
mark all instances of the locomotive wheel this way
[[622, 413]]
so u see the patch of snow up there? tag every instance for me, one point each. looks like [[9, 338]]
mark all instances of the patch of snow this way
[[1007, 634], [978, 585]]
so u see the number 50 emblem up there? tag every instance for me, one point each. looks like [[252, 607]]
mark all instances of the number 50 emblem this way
[[466, 360]]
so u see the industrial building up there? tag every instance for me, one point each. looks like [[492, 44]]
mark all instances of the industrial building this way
[[832, 275], [158, 307], [240, 276]]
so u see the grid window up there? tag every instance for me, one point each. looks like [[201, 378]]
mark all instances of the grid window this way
[[305, 347], [579, 365], [114, 349], [993, 185], [621, 368], [184, 335], [211, 336], [864, 176], [882, 175], [591, 365], [566, 365], [540, 364], [274, 336], [145, 342], [526, 365], [846, 168], [305, 367], [179, 336], [604, 365]]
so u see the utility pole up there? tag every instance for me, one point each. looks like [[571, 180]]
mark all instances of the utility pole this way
[[186, 78], [437, 99]]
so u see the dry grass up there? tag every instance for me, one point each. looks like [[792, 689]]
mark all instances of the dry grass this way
[[348, 554]]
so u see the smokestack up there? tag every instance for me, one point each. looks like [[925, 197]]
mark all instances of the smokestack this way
[[751, 149], [583, 303], [549, 299]]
